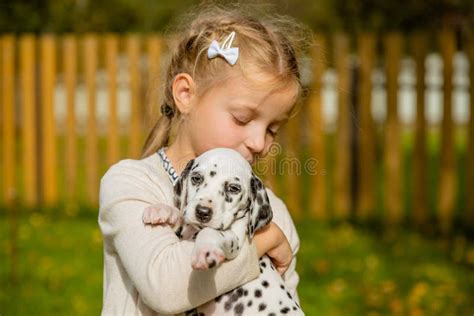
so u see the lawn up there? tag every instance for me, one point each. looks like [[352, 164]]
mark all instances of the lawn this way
[[345, 269]]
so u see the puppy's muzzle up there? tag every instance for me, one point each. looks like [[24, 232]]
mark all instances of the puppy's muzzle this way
[[203, 213]]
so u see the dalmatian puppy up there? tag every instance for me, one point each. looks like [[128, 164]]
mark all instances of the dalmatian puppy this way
[[219, 202]]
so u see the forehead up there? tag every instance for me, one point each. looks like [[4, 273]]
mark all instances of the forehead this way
[[262, 94], [223, 167]]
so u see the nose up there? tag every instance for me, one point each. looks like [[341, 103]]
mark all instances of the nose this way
[[203, 213], [256, 142]]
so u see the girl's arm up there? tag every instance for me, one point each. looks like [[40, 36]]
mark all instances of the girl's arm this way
[[271, 240], [152, 259], [282, 219]]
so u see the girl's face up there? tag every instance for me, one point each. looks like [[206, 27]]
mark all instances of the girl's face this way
[[240, 115]]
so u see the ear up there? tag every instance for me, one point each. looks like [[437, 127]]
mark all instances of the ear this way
[[183, 92], [180, 189], [260, 211]]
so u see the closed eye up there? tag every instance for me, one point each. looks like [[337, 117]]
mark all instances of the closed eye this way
[[240, 122], [272, 133]]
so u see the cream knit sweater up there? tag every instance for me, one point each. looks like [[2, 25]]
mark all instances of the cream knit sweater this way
[[147, 270]]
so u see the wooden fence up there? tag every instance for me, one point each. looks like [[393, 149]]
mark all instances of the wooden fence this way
[[46, 165]]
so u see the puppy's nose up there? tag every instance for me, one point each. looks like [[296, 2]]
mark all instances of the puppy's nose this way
[[203, 213]]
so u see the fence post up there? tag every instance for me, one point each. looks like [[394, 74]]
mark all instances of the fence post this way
[[342, 152], [27, 66], [447, 180], [70, 75], [111, 48], [420, 205], [154, 47], [317, 142], [48, 122], [270, 170], [2, 134], [8, 118], [366, 161], [470, 152], [393, 196], [293, 173], [92, 166], [133, 56], [7, 76]]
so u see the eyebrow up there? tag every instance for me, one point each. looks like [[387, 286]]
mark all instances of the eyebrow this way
[[247, 108], [255, 111]]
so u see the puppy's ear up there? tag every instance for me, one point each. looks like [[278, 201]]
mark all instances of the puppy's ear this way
[[180, 188], [260, 211]]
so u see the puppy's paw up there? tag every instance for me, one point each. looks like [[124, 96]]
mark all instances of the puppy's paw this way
[[206, 256], [160, 214]]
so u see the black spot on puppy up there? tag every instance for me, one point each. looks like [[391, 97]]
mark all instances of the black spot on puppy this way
[[265, 283], [234, 297], [258, 293], [239, 308], [261, 307], [284, 310], [212, 173], [253, 186], [264, 212]]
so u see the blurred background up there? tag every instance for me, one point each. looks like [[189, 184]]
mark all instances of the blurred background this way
[[377, 167]]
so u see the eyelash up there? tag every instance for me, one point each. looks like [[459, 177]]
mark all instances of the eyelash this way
[[272, 133], [239, 122]]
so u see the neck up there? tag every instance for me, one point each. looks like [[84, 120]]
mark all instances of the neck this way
[[179, 153]]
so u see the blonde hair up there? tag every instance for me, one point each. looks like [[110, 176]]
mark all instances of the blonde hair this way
[[268, 43]]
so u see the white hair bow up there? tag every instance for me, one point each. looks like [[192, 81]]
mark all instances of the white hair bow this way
[[231, 54]]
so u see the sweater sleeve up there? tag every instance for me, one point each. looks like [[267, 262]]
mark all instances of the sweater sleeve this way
[[154, 259], [282, 218]]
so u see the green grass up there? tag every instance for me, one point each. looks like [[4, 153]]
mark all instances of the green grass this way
[[59, 266], [349, 270], [344, 269]]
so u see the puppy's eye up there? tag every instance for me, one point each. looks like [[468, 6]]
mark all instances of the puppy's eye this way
[[196, 179], [233, 188]]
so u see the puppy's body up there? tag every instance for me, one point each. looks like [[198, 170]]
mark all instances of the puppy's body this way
[[219, 202]]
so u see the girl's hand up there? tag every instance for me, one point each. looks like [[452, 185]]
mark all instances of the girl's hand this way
[[270, 240]]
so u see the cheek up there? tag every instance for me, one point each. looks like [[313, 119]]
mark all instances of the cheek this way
[[222, 126]]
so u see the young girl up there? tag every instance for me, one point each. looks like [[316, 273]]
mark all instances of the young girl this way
[[233, 81]]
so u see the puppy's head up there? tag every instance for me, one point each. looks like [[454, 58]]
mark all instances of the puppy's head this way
[[219, 187]]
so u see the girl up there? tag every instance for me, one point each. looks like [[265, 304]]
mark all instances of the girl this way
[[233, 81]]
